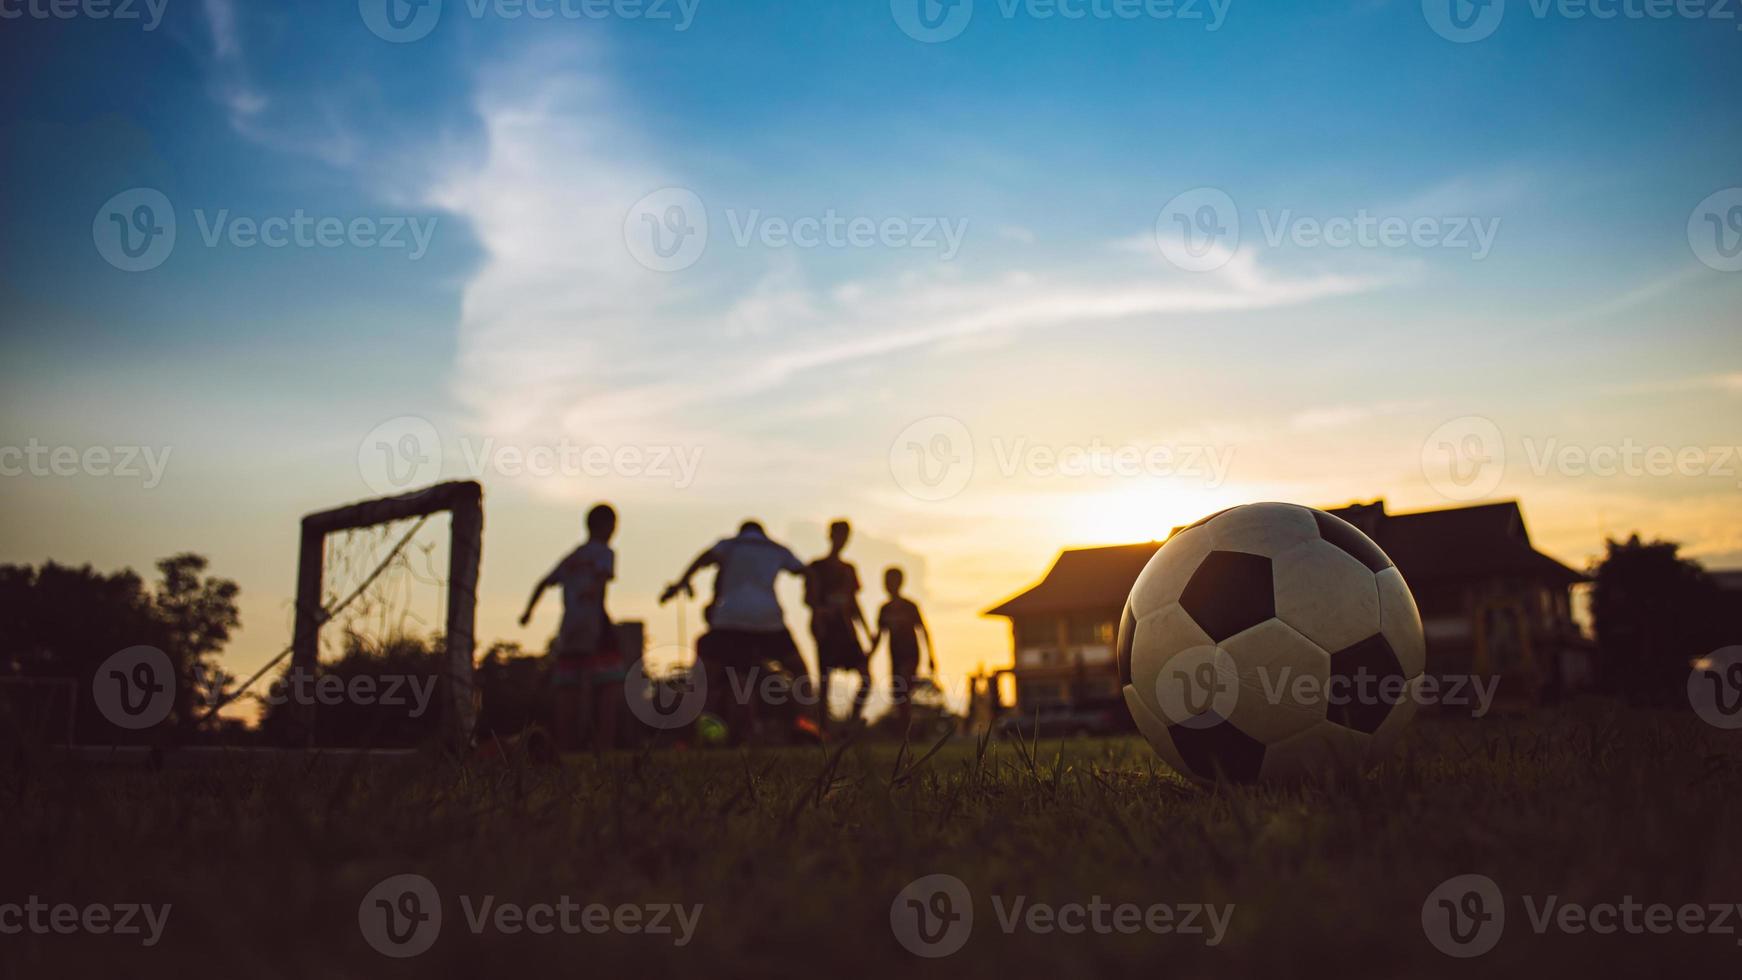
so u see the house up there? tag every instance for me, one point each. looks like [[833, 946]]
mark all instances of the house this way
[[1063, 629], [1491, 604]]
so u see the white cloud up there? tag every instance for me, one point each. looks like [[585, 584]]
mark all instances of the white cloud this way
[[562, 334]]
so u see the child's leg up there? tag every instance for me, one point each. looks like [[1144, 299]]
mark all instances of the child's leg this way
[[903, 692], [823, 676], [605, 698], [864, 692], [563, 717]]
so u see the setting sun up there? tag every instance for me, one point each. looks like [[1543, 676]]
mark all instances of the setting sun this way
[[1147, 512]]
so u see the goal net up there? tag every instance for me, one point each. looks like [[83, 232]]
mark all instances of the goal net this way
[[385, 605]]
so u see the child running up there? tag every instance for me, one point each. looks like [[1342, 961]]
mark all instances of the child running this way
[[587, 670], [899, 619]]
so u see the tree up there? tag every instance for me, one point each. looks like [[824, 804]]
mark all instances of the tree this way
[[1654, 613], [63, 622], [197, 615]]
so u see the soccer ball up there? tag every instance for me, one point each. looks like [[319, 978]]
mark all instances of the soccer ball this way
[[711, 729], [1270, 641]]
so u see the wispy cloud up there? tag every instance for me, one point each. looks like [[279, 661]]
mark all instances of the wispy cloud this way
[[1642, 295], [230, 82], [308, 125], [561, 332]]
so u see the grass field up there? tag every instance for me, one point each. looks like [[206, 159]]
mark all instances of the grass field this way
[[796, 856]]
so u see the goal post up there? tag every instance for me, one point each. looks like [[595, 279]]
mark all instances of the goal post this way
[[464, 502]]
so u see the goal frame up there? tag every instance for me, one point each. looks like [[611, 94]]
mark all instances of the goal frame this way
[[464, 502]]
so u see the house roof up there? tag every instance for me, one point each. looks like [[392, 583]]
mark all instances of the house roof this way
[[1457, 543], [1082, 579], [1428, 546]]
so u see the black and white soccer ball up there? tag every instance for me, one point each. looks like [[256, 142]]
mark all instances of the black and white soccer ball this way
[[1270, 641]]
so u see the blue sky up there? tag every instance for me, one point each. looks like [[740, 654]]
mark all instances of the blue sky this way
[[1054, 145]]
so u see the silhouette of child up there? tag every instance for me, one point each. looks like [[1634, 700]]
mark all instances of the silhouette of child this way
[[832, 593], [900, 620], [587, 672]]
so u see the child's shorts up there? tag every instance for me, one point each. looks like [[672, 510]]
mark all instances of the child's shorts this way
[[576, 665], [600, 668]]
